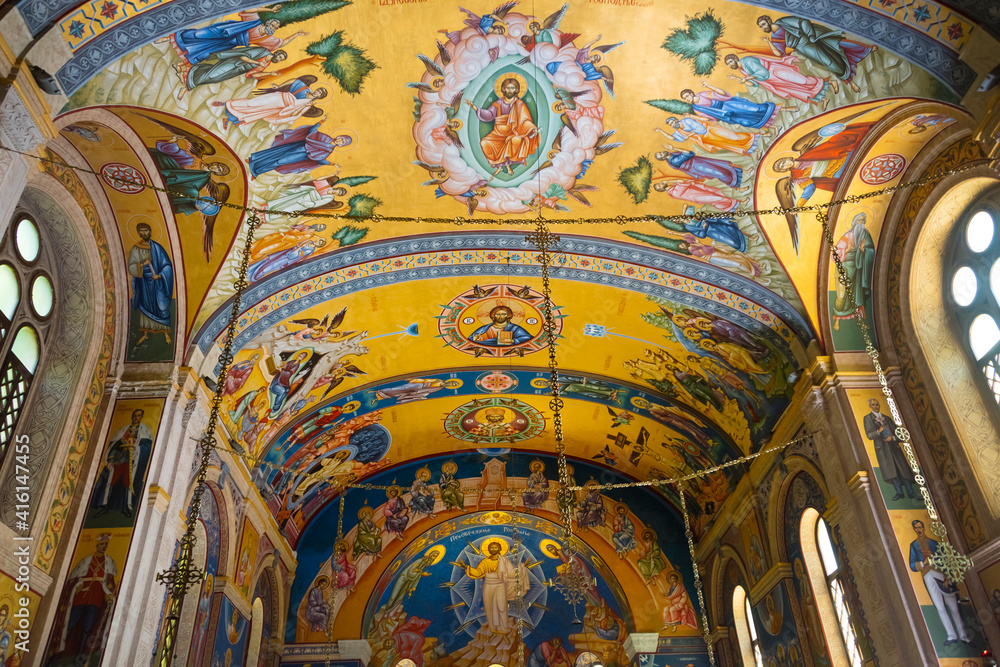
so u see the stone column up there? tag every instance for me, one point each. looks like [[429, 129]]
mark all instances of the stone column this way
[[133, 635], [882, 576]]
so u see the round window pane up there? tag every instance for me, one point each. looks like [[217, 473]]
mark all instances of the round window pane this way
[[964, 286], [979, 233], [983, 335], [995, 280], [25, 348], [41, 296], [26, 239], [10, 292]]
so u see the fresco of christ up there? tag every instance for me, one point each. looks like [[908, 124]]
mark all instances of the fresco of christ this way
[[514, 137]]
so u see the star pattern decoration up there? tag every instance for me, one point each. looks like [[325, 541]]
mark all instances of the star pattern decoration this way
[[922, 13], [955, 31], [109, 10], [76, 29]]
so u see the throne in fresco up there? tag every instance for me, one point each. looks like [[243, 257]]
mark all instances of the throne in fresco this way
[[494, 480]]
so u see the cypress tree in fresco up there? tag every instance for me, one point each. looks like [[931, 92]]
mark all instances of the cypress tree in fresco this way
[[362, 206], [674, 107], [295, 11], [697, 43], [342, 61]]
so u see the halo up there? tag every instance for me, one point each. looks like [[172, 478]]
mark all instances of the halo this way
[[234, 168], [423, 471], [349, 132], [556, 103], [460, 125], [323, 579], [848, 215], [536, 464], [590, 483], [597, 56], [155, 227], [485, 545], [438, 553], [617, 505], [771, 159], [533, 22], [648, 535], [351, 406], [544, 546], [449, 465], [340, 543], [365, 512], [390, 489], [509, 75]]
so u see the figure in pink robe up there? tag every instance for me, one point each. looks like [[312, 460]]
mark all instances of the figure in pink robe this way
[[690, 190]]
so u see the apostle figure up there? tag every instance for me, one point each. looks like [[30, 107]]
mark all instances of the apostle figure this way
[[678, 610], [317, 613], [591, 511], [406, 583], [194, 45], [943, 593], [346, 572], [238, 375], [816, 43], [282, 241], [281, 384], [421, 496], [892, 463], [653, 563], [396, 513], [711, 136], [856, 249], [280, 104], [282, 260], [296, 151], [537, 491], [86, 603], [514, 136], [502, 582], [409, 640], [690, 190], [719, 105], [115, 488], [781, 77], [152, 284], [500, 332], [451, 488], [248, 63], [624, 531], [701, 168], [368, 539], [550, 654]]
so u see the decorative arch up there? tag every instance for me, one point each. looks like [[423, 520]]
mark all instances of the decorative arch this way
[[779, 501]]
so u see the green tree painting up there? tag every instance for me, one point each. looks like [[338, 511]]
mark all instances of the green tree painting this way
[[342, 61], [296, 11], [697, 44]]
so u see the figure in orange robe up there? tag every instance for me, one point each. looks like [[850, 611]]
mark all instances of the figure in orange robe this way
[[514, 137]]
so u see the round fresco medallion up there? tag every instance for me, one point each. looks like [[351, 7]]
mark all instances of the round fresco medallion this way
[[496, 321], [124, 178], [493, 421], [540, 383], [496, 382], [882, 169]]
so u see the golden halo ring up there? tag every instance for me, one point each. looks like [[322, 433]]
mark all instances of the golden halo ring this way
[[544, 546], [437, 553], [498, 84], [485, 546]]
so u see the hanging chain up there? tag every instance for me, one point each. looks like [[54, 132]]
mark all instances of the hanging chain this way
[[519, 605], [508, 221], [706, 633], [184, 574], [946, 559], [334, 584]]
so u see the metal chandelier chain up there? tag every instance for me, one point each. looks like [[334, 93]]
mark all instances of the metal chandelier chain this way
[[689, 534], [947, 559], [184, 574], [526, 222]]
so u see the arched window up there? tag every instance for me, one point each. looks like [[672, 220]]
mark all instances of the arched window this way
[[746, 630], [823, 570], [256, 632], [974, 286], [27, 299]]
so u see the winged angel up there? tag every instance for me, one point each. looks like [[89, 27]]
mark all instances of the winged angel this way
[[195, 182], [336, 350]]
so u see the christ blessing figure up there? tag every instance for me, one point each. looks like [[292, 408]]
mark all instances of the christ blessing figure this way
[[502, 582], [514, 136]]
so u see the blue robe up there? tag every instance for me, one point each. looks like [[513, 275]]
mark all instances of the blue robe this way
[[737, 111], [705, 168], [722, 230], [274, 263], [518, 335], [293, 152], [152, 297], [199, 43]]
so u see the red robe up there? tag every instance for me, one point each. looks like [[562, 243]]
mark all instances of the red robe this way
[[409, 639]]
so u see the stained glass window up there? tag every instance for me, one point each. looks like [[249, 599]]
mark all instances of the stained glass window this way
[[27, 300], [974, 287]]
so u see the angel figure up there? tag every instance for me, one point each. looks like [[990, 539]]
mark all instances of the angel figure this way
[[286, 103], [439, 173], [182, 161], [448, 133], [545, 32], [823, 155], [589, 58], [492, 23]]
